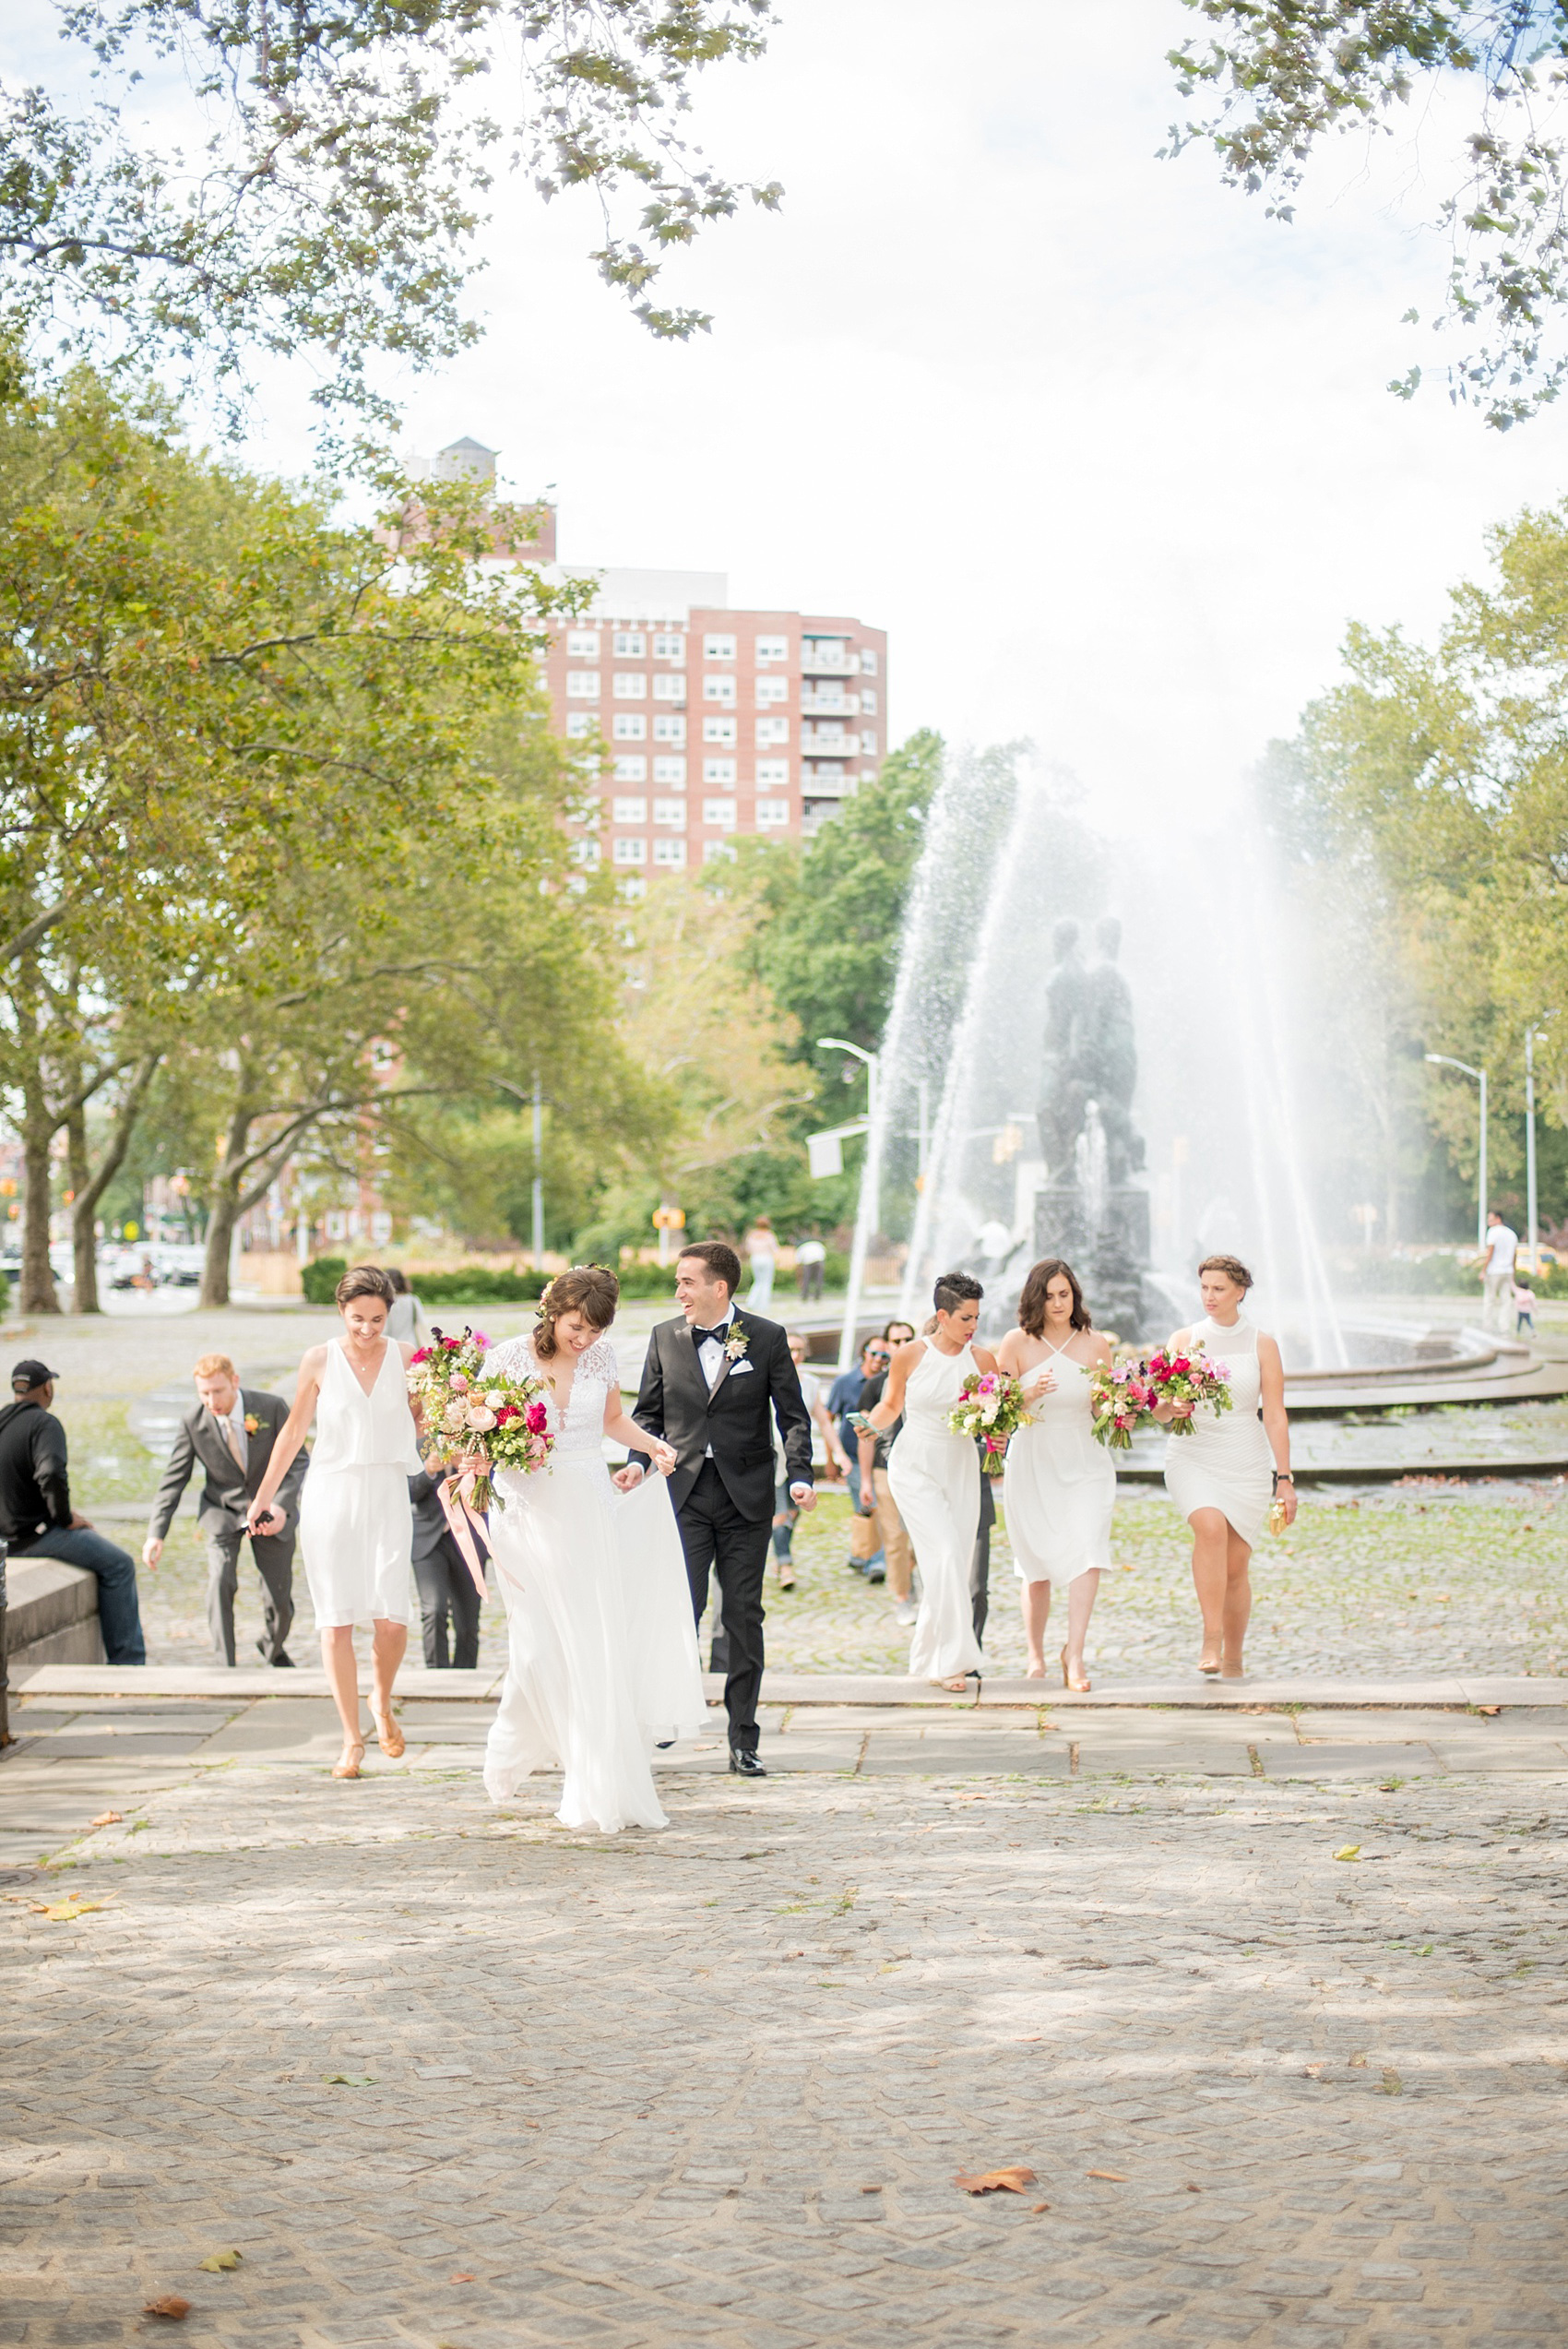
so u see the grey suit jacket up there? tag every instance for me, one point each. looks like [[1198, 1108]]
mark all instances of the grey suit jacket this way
[[228, 1492]]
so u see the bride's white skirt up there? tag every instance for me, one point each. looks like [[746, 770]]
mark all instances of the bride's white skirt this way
[[603, 1652]]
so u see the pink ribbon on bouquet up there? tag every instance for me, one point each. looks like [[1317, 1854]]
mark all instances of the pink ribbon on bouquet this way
[[463, 1521]]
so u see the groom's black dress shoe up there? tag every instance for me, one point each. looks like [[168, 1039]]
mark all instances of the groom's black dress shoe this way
[[744, 1765]]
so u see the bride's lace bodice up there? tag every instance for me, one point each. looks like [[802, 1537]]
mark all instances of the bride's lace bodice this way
[[579, 1434]]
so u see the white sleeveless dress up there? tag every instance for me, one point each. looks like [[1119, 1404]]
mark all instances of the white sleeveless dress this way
[[356, 1525], [935, 1477], [1061, 1485], [603, 1653], [1225, 1462]]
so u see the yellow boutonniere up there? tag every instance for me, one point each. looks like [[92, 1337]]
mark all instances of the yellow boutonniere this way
[[253, 1425], [736, 1343]]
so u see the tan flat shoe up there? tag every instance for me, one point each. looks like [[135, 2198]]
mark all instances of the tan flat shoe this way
[[347, 1765], [388, 1736], [1081, 1686]]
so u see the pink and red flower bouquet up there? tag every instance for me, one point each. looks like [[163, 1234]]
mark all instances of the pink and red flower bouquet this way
[[991, 1407], [1188, 1378], [1119, 1399], [471, 1414]]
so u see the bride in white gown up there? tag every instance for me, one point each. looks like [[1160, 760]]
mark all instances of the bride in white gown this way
[[602, 1664]]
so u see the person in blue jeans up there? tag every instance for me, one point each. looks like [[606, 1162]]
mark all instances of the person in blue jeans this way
[[37, 1518]]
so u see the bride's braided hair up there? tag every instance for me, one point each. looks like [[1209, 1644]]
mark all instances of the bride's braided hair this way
[[588, 1289]]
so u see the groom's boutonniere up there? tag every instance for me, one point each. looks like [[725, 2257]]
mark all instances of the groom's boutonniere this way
[[253, 1425], [737, 1341]]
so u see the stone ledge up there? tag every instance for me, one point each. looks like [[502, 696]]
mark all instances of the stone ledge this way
[[52, 1617]]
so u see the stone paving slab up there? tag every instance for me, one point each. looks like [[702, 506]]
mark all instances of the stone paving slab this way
[[634, 2092]]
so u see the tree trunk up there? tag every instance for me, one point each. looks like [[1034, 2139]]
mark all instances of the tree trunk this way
[[223, 1213], [38, 1291], [83, 1253]]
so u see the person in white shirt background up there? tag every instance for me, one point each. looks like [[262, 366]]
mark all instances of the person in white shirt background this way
[[1497, 1274]]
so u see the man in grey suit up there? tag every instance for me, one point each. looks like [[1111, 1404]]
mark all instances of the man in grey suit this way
[[231, 1431], [446, 1588]]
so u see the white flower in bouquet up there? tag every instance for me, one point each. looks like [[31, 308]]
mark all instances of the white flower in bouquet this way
[[477, 1416]]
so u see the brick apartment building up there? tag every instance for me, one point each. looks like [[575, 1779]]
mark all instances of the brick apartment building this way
[[716, 724]]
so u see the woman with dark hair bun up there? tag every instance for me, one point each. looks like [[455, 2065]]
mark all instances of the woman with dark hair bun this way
[[935, 1477], [1222, 1472], [1061, 1485]]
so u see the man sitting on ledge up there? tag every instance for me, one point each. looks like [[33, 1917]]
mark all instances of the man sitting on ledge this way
[[37, 1518]]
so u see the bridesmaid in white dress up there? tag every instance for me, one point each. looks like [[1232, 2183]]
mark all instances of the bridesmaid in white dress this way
[[935, 1477], [602, 1650], [1222, 1473], [1061, 1485], [356, 1529]]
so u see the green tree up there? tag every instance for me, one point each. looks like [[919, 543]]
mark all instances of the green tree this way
[[1280, 76], [346, 171]]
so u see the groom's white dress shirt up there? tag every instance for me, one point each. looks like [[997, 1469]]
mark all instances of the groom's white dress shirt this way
[[710, 1359]]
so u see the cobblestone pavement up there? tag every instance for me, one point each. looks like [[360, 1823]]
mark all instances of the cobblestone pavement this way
[[1290, 2059]]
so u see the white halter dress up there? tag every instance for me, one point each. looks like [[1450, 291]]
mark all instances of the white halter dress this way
[[603, 1653], [1061, 1485], [1226, 1463], [934, 1475], [356, 1527]]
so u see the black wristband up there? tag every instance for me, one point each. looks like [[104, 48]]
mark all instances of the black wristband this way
[[1282, 1476]]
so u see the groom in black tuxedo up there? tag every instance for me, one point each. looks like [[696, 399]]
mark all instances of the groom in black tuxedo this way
[[710, 1382]]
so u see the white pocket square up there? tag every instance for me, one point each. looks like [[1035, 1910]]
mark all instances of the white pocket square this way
[[739, 1369]]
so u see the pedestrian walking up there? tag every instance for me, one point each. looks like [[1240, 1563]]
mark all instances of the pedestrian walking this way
[[37, 1518], [1524, 1309], [785, 1512], [762, 1255], [1497, 1272], [844, 1398], [405, 1323], [811, 1258], [876, 1501], [230, 1431]]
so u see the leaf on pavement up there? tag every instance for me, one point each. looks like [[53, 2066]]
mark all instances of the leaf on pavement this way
[[107, 1818], [171, 2304], [217, 2262], [66, 1911], [1348, 1852], [462, 2276], [1391, 2084], [1038, 2207], [1115, 2176], [349, 2079], [1007, 2181]]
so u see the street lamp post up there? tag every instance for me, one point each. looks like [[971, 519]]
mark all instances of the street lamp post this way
[[1441, 1060], [867, 1212], [1531, 1032]]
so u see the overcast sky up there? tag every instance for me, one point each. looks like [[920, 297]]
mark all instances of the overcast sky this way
[[1107, 453]]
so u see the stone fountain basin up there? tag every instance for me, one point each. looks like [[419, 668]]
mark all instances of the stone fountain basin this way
[[1399, 1353]]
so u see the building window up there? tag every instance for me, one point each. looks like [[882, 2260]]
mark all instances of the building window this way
[[630, 726], [630, 645], [713, 850], [771, 730], [772, 815], [582, 685], [630, 771], [582, 644], [670, 647], [580, 723], [631, 852], [630, 686], [868, 745], [719, 648], [719, 689], [667, 727], [770, 691], [632, 887], [718, 770], [868, 700], [668, 770], [669, 689], [628, 811], [669, 851], [719, 813], [719, 730], [868, 661], [585, 852], [670, 811], [773, 774], [771, 648]]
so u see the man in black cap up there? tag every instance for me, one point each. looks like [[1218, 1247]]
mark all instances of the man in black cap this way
[[37, 1518]]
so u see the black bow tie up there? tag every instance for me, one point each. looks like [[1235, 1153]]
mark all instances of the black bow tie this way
[[720, 1334]]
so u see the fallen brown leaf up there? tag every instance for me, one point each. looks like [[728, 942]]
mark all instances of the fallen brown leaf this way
[[1038, 2207], [221, 2262], [462, 2276], [871, 2190], [1195, 2190], [1115, 2176], [1491, 1711], [107, 1818], [170, 2306], [1007, 2181]]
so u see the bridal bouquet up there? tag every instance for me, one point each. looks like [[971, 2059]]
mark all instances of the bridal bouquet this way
[[991, 1407], [471, 1414], [1120, 1399], [1187, 1378]]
